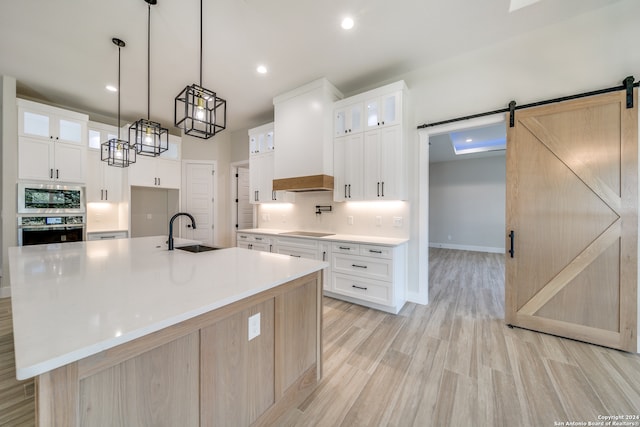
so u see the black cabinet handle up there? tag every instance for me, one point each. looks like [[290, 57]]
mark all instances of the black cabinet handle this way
[[349, 190], [375, 251], [343, 248], [295, 256], [378, 189], [358, 266], [57, 173], [106, 194], [51, 173], [512, 236], [382, 188], [359, 287], [101, 194]]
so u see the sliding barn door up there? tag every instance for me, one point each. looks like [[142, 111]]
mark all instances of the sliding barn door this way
[[572, 203]]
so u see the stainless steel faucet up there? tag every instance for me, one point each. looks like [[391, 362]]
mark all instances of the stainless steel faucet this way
[[193, 225]]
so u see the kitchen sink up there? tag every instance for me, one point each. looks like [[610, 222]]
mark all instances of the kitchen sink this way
[[197, 248], [306, 233]]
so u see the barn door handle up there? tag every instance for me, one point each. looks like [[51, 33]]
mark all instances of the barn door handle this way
[[512, 235]]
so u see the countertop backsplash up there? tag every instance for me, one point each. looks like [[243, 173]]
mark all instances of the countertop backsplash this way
[[385, 219]]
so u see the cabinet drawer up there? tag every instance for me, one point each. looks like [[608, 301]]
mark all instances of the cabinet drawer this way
[[346, 248], [376, 251], [293, 242], [107, 236], [297, 252], [380, 269], [366, 289]]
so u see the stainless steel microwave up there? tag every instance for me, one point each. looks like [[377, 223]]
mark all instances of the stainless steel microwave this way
[[41, 198]]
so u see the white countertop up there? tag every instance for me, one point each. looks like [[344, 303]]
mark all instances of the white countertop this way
[[72, 300], [354, 238]]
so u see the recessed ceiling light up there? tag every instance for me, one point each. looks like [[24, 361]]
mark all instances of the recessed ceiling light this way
[[261, 69], [468, 140], [347, 23], [111, 88]]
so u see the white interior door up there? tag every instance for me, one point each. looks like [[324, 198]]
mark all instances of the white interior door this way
[[198, 201]]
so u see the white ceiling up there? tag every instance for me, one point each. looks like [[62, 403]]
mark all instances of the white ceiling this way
[[61, 52]]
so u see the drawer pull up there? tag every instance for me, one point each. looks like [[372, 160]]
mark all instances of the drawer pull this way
[[258, 238], [358, 266], [359, 287], [347, 248], [375, 251], [295, 256]]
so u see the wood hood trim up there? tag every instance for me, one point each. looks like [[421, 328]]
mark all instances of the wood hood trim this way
[[304, 183]]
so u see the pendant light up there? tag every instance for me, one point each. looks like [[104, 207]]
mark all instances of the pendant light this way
[[149, 138], [118, 152], [198, 111]]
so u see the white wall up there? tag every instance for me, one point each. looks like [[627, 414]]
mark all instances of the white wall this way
[[467, 204]]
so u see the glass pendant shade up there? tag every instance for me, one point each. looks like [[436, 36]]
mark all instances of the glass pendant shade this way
[[117, 152], [199, 112], [149, 138]]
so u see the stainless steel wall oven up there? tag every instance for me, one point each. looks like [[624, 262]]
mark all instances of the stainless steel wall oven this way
[[50, 213]]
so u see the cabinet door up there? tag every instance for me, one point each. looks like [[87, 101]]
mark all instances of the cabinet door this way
[[69, 162], [266, 178], [392, 165], [383, 165], [35, 159], [254, 179], [94, 190], [143, 172], [168, 173], [348, 120], [353, 163], [34, 124], [70, 130], [384, 110]]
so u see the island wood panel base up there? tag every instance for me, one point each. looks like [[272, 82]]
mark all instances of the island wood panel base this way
[[203, 371]]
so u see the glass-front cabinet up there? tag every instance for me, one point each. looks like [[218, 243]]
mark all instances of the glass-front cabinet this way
[[384, 110], [55, 124]]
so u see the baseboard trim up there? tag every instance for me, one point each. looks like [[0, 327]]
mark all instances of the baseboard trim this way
[[417, 298], [472, 248]]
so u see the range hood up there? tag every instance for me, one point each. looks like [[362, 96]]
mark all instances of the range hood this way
[[303, 131]]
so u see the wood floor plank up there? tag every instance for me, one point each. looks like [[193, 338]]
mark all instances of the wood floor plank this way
[[377, 397], [368, 354], [498, 404]]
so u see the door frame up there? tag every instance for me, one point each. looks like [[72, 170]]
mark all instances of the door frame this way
[[183, 196], [422, 225]]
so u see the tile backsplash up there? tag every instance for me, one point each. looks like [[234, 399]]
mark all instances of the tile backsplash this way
[[387, 219]]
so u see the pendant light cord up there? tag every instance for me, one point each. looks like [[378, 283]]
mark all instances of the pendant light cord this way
[[118, 92], [149, 65], [200, 43]]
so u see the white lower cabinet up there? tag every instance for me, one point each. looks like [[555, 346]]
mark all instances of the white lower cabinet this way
[[255, 242], [370, 275], [361, 273]]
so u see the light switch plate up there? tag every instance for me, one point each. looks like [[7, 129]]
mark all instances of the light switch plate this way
[[397, 221], [254, 326], [350, 220]]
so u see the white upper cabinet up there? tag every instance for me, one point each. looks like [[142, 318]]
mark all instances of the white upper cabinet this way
[[163, 171], [348, 119], [262, 167], [40, 121], [384, 161], [104, 182], [51, 143], [261, 139], [370, 154], [348, 168], [384, 110]]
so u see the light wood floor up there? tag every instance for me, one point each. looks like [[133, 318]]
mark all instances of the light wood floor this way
[[451, 363], [455, 362], [17, 404]]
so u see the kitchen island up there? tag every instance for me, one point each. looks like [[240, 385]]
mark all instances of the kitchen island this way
[[125, 332]]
